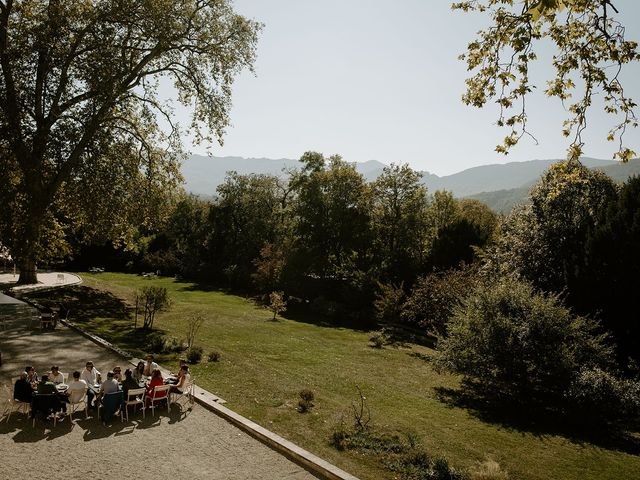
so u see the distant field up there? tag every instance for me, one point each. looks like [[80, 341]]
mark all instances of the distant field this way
[[264, 364]]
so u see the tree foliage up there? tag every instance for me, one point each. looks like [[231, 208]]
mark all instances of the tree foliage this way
[[79, 107], [517, 341], [590, 52], [152, 300]]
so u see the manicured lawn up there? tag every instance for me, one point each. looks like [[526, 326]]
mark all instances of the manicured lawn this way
[[264, 364]]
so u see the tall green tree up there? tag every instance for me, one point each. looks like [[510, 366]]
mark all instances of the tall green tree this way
[[79, 104], [246, 216], [590, 50], [332, 216], [399, 220]]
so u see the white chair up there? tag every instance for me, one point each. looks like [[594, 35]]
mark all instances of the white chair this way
[[187, 392], [75, 401], [13, 405], [153, 398], [135, 396]]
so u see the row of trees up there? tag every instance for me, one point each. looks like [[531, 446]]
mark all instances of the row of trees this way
[[323, 234]]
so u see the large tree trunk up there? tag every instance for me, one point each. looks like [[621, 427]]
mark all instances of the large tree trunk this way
[[27, 271], [28, 248]]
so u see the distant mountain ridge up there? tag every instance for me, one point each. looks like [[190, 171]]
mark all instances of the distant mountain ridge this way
[[499, 185]]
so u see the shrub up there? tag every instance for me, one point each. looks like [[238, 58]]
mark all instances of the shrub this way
[[388, 302], [214, 356], [156, 343], [174, 346], [306, 400], [488, 470], [601, 396], [434, 297], [378, 339], [521, 343], [194, 355]]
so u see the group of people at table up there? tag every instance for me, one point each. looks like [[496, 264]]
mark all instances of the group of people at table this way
[[146, 374]]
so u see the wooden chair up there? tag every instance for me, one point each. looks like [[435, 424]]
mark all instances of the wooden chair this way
[[153, 398], [135, 396]]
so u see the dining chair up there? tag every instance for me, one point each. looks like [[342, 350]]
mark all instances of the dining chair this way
[[13, 405], [111, 403], [75, 401], [135, 396], [46, 403], [188, 393], [154, 398]]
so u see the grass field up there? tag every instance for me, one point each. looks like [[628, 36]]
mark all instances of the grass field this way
[[264, 364]]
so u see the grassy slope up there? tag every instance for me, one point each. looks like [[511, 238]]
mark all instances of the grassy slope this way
[[264, 364]]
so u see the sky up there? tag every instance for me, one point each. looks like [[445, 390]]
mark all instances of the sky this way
[[380, 80]]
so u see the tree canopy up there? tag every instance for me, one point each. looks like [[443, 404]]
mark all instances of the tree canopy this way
[[80, 105], [590, 51]]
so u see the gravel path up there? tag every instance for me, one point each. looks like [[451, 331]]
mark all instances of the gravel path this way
[[184, 444]]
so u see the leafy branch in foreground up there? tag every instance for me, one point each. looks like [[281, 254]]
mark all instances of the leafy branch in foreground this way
[[590, 52]]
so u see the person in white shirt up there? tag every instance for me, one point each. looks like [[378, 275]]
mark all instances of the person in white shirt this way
[[150, 366], [92, 377], [55, 376], [184, 379], [76, 388]]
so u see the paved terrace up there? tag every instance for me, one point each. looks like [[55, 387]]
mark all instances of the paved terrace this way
[[188, 443]]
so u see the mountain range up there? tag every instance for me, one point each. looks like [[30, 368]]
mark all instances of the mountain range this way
[[500, 186]]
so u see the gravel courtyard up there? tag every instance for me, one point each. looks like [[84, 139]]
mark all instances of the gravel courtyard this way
[[188, 443]]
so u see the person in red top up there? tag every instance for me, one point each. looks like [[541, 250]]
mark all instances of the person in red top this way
[[156, 381]]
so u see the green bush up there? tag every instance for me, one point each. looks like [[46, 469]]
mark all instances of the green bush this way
[[599, 395], [516, 341], [434, 297], [195, 355], [156, 343], [174, 346], [214, 356], [306, 400], [378, 339]]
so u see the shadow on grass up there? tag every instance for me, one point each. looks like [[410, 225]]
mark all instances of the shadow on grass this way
[[537, 418], [101, 313]]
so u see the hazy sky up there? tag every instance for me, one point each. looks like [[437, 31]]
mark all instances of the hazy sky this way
[[373, 79]]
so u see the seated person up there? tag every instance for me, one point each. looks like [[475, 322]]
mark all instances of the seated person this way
[[55, 376], [91, 376], [156, 381], [138, 372], [173, 378], [184, 378], [117, 374], [45, 387], [77, 388], [22, 390], [129, 383], [150, 366], [32, 376], [110, 385]]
